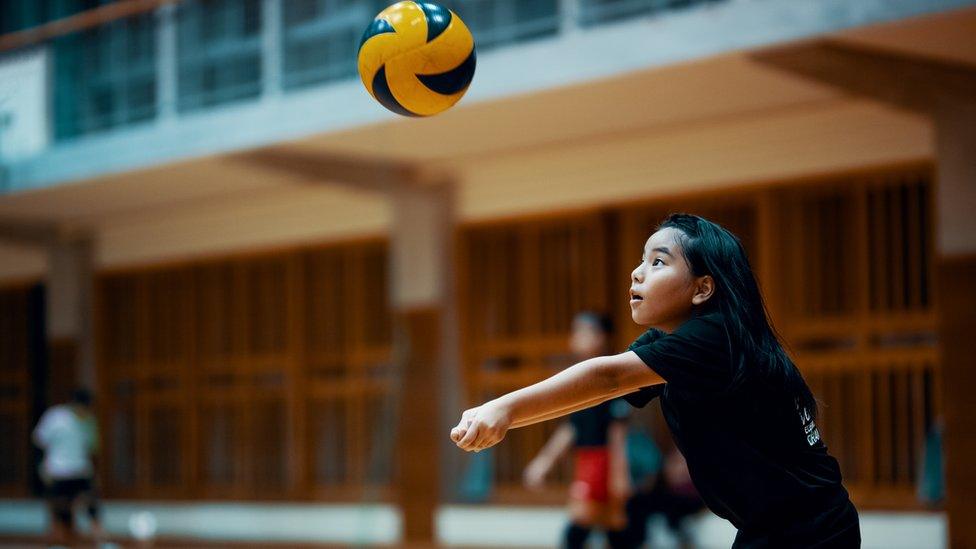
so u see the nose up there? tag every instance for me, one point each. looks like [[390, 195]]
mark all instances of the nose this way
[[638, 274]]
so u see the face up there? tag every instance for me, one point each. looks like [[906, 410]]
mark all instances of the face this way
[[586, 339], [663, 290]]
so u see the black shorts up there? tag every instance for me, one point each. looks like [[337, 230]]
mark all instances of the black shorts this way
[[69, 488], [837, 527], [62, 495]]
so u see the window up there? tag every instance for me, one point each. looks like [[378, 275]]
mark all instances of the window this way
[[320, 39], [105, 77], [219, 52], [594, 12]]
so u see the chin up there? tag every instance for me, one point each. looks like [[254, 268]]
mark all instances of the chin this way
[[638, 319]]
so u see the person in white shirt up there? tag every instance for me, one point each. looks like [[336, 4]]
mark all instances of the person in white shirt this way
[[68, 435]]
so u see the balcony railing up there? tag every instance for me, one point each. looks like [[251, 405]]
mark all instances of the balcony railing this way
[[196, 54]]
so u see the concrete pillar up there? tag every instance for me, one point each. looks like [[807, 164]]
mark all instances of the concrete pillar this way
[[70, 326], [955, 129], [425, 351]]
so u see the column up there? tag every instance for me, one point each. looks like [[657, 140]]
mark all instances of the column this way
[[70, 330], [955, 128], [425, 352]]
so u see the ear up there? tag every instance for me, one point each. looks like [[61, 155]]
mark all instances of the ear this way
[[704, 289]]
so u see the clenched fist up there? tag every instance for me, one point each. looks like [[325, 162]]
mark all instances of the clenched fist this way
[[481, 427]]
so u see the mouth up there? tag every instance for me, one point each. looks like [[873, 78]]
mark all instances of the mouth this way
[[635, 298]]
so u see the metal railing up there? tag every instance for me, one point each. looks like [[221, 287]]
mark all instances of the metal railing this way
[[182, 56]]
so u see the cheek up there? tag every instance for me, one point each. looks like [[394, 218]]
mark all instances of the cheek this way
[[666, 294]]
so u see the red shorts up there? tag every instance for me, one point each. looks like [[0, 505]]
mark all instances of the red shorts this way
[[591, 475]]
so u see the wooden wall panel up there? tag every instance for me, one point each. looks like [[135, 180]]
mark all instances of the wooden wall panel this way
[[217, 373], [15, 391], [272, 374]]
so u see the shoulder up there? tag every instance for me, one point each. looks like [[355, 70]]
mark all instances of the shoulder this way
[[59, 413], [696, 356], [55, 416], [706, 330], [707, 325]]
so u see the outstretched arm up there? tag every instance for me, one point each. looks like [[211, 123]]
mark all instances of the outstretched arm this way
[[537, 469], [580, 386]]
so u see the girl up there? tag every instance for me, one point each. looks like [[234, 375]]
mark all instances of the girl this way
[[738, 408], [598, 436]]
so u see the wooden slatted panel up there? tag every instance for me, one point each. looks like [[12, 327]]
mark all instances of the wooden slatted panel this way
[[222, 447], [877, 408], [166, 423], [119, 302], [14, 440], [377, 438], [121, 472], [521, 284], [309, 330], [266, 310], [495, 289], [901, 244], [267, 445], [14, 390], [325, 298], [329, 427], [216, 307], [118, 332], [349, 365], [861, 320]]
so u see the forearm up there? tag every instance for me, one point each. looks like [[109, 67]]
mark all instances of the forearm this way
[[560, 394], [580, 386], [562, 412]]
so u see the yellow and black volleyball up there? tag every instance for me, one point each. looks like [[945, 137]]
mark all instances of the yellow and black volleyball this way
[[417, 58]]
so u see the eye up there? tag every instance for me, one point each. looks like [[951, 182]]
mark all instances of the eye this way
[[657, 261]]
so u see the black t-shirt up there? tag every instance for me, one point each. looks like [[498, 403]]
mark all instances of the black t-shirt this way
[[592, 424], [755, 461]]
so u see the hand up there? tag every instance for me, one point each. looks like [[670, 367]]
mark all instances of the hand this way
[[534, 475], [482, 427]]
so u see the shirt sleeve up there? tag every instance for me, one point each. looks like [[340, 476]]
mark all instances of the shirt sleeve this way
[[695, 358], [642, 397], [42, 433]]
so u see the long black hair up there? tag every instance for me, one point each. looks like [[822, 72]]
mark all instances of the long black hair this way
[[712, 250]]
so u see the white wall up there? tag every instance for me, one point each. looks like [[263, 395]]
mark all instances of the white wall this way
[[23, 89]]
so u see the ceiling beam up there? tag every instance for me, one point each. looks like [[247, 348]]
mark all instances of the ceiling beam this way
[[907, 81], [79, 22], [354, 172], [38, 233]]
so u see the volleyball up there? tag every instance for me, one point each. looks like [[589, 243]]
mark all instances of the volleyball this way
[[417, 58]]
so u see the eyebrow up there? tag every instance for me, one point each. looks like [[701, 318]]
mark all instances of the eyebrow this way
[[663, 249]]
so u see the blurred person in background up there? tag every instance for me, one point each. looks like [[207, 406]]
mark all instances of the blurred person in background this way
[[68, 436], [601, 481], [670, 493]]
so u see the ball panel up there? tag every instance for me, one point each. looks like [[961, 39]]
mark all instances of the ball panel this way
[[377, 26], [373, 54], [410, 92], [380, 89], [444, 53], [410, 23], [453, 81], [438, 18]]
